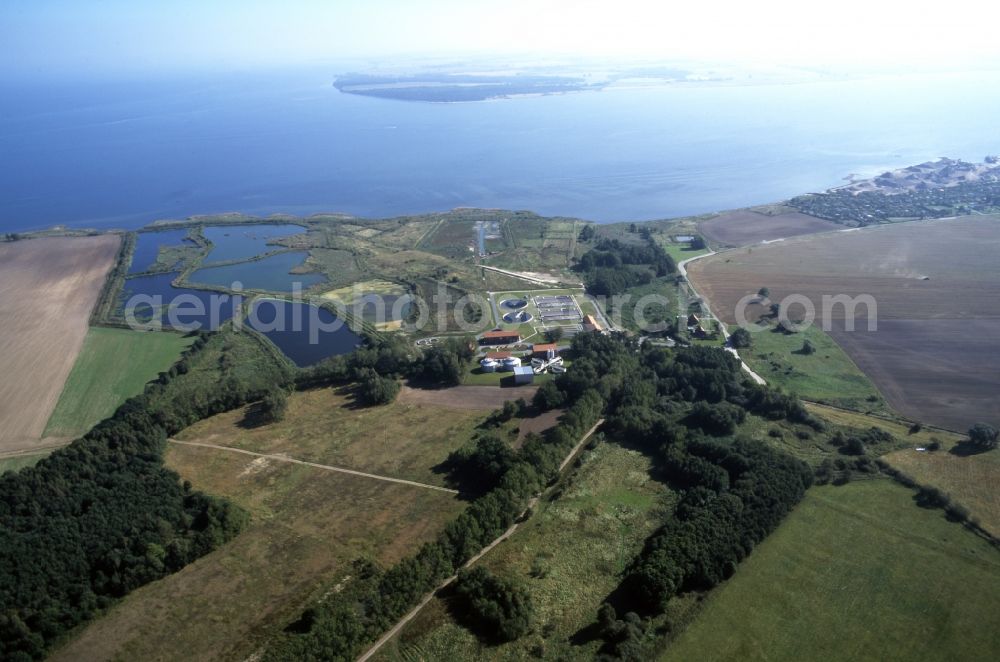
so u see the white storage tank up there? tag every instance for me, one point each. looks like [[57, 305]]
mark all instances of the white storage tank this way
[[488, 365], [510, 363]]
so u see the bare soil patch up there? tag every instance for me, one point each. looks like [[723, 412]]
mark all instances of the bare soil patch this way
[[937, 289], [485, 398], [744, 227], [48, 288], [538, 424]]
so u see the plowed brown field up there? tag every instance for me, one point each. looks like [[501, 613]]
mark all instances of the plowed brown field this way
[[937, 287], [47, 290], [744, 227]]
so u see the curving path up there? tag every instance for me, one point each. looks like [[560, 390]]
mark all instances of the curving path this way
[[682, 270]]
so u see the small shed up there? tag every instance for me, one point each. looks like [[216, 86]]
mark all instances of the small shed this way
[[523, 375]]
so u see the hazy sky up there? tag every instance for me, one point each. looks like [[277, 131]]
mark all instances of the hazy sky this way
[[73, 36]]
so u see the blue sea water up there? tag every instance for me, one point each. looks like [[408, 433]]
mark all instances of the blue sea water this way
[[121, 154]]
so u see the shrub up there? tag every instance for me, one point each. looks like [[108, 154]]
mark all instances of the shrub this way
[[274, 405], [497, 609], [374, 389], [983, 436]]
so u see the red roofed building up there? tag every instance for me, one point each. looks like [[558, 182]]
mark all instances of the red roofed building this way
[[542, 350], [500, 338]]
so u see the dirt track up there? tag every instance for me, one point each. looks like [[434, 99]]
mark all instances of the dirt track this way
[[48, 288], [486, 398]]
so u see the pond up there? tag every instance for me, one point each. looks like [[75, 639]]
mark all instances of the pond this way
[[306, 334], [181, 308], [270, 274], [242, 242], [147, 247]]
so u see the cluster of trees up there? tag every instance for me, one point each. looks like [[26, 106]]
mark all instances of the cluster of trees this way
[[375, 389], [394, 357], [274, 405], [103, 516], [736, 495], [983, 436], [740, 338], [374, 599], [858, 443], [497, 609], [612, 266]]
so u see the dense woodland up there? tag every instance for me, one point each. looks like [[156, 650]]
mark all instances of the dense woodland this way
[[611, 267], [103, 516]]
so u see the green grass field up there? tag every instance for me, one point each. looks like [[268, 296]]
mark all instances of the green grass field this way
[[16, 462], [113, 365], [569, 555], [857, 572], [680, 252], [828, 375]]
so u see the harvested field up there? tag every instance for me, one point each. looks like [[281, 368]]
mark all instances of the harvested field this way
[[48, 288], [307, 526], [937, 289], [931, 371], [482, 398], [971, 480], [744, 227]]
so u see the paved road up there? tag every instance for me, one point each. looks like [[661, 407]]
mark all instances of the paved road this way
[[503, 536], [325, 467]]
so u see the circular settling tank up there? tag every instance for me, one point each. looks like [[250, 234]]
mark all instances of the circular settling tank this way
[[513, 304], [519, 317]]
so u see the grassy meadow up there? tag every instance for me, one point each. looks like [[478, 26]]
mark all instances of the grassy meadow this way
[[113, 365], [569, 555], [827, 375], [17, 462], [856, 572], [324, 426]]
